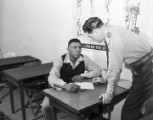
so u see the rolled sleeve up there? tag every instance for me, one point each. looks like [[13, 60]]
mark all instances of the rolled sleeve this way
[[54, 76], [115, 62]]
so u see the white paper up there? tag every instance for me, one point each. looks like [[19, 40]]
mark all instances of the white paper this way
[[85, 85]]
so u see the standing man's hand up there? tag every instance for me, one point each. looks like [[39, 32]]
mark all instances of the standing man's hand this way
[[106, 98], [71, 87], [98, 80], [77, 78]]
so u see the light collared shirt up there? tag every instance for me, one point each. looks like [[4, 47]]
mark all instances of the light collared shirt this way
[[124, 47], [91, 69]]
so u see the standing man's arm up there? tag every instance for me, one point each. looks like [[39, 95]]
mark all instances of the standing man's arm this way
[[115, 67]]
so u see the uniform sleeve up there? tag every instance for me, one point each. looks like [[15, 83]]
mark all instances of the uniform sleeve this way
[[54, 76], [115, 62], [93, 70]]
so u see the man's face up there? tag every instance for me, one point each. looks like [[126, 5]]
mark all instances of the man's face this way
[[74, 49], [97, 35]]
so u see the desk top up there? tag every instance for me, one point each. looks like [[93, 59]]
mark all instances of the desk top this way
[[16, 60], [82, 100], [23, 73]]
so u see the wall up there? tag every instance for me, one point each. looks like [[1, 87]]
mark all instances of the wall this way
[[146, 17], [37, 27], [42, 28]]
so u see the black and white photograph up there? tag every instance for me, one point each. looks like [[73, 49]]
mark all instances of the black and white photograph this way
[[76, 60]]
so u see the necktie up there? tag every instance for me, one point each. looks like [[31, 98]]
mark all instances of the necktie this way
[[107, 54]]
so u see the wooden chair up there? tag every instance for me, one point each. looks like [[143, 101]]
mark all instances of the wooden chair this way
[[34, 90], [4, 83], [34, 94]]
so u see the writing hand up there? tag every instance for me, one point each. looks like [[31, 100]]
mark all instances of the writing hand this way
[[71, 87], [98, 80]]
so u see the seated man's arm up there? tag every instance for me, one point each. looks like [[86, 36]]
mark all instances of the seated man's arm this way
[[55, 80], [54, 76], [93, 70]]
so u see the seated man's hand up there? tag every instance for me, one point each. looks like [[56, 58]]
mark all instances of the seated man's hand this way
[[77, 78], [98, 80], [71, 87], [106, 98]]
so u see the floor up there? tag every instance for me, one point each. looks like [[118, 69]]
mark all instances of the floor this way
[[5, 108]]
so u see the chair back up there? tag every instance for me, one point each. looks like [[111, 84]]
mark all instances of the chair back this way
[[147, 107], [34, 90]]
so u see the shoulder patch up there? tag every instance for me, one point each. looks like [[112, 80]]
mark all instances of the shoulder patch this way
[[109, 34]]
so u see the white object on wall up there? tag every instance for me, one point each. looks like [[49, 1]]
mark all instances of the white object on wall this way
[[9, 54]]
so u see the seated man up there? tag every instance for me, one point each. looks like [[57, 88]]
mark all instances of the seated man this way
[[68, 69]]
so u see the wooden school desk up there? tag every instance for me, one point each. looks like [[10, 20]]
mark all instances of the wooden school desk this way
[[22, 76], [6, 63], [12, 62], [81, 103]]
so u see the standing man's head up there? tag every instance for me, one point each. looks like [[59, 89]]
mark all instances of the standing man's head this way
[[74, 48], [93, 28]]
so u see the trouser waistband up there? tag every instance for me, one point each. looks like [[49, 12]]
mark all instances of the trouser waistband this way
[[142, 60]]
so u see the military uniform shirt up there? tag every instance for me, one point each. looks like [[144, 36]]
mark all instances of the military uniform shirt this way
[[124, 47]]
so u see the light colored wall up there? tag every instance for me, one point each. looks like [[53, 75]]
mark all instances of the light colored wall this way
[[37, 27], [41, 28], [146, 17]]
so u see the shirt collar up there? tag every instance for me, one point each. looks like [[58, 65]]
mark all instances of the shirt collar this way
[[67, 60]]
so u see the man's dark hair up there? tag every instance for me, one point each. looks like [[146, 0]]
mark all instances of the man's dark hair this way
[[91, 24], [74, 40]]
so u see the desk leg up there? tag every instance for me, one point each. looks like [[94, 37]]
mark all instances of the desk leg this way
[[22, 99], [11, 97], [109, 112], [53, 113]]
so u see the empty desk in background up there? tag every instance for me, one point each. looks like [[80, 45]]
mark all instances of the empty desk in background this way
[[12, 62], [22, 76], [82, 102]]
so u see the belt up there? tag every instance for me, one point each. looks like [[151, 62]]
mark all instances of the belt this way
[[143, 59]]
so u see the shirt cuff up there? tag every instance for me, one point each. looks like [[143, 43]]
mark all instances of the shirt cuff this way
[[60, 82], [83, 75]]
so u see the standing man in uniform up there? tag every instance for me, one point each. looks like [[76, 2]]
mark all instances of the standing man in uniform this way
[[137, 54]]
